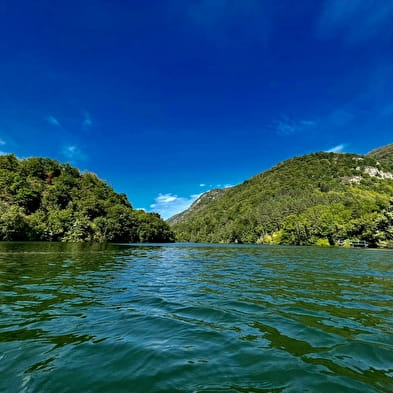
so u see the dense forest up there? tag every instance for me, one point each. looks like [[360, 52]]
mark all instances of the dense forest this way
[[321, 198], [42, 199]]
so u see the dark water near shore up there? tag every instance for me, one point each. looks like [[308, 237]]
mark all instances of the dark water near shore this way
[[187, 318]]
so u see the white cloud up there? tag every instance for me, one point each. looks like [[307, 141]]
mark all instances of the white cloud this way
[[213, 186], [167, 205], [2, 142], [337, 149], [166, 198], [87, 122], [73, 153], [52, 120], [287, 126]]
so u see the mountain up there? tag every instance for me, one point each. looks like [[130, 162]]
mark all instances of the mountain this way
[[320, 198], [384, 155], [203, 201], [42, 199]]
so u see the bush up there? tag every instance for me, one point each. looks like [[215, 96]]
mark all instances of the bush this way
[[322, 243]]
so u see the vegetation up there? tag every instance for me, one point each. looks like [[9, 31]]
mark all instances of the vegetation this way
[[322, 199], [42, 199], [383, 155]]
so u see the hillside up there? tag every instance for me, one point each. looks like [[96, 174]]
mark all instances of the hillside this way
[[383, 155], [321, 198], [203, 201], [42, 199]]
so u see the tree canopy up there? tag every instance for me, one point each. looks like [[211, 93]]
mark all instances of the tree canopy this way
[[321, 198], [43, 199]]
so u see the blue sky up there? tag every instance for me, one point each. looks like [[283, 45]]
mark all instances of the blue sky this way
[[167, 99]]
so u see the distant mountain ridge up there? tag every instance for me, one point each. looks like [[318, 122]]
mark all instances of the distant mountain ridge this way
[[198, 205], [320, 198]]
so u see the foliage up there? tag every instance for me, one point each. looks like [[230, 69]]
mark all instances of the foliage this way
[[42, 199], [384, 155], [321, 198], [322, 243]]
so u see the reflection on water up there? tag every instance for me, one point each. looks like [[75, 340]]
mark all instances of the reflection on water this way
[[194, 318]]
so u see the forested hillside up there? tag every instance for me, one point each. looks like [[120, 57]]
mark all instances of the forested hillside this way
[[384, 155], [42, 199], [321, 198]]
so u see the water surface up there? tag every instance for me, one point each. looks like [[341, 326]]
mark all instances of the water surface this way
[[194, 318]]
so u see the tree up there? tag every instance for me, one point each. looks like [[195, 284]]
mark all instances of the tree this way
[[13, 225], [41, 199]]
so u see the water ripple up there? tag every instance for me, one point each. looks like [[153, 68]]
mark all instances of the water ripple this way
[[194, 318]]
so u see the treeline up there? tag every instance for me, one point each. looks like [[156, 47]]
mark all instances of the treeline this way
[[42, 199], [322, 198]]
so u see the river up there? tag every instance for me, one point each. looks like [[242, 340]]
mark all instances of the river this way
[[194, 318]]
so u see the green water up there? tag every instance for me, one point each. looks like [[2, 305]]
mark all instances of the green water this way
[[188, 318]]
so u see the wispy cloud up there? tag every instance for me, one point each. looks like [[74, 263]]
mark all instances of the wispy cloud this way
[[219, 19], [167, 205], [355, 20], [212, 186], [287, 126], [52, 120], [87, 122], [284, 128], [3, 143], [308, 123], [339, 118], [337, 149], [223, 186], [73, 153]]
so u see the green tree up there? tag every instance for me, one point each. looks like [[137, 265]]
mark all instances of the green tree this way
[[41, 199]]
